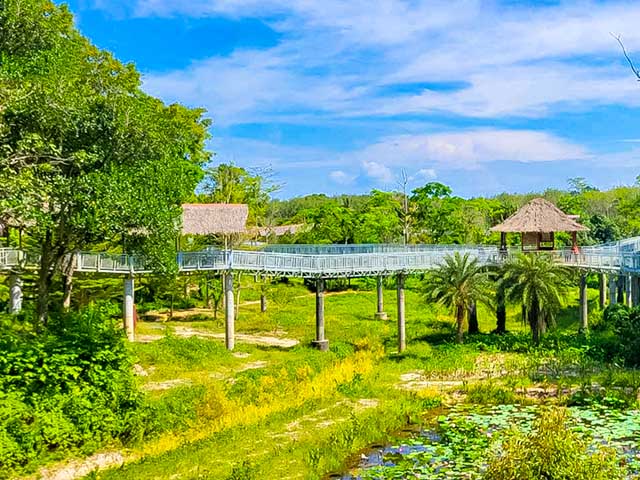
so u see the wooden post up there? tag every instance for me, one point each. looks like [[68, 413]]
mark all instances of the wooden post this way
[[402, 342], [320, 342], [602, 290], [584, 304], [229, 312], [613, 287], [15, 294], [263, 303], [127, 308], [380, 313], [629, 291]]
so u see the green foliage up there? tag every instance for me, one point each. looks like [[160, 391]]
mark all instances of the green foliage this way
[[228, 183], [68, 387], [553, 451], [539, 284], [458, 283], [86, 156]]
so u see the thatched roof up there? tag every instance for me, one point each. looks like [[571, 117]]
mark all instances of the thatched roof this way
[[277, 231], [539, 215], [214, 218]]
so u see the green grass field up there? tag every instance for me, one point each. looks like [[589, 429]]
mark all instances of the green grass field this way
[[268, 412]]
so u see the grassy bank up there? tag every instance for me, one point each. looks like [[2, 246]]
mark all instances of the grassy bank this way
[[266, 411]]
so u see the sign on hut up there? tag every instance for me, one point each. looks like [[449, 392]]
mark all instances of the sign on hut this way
[[537, 222]]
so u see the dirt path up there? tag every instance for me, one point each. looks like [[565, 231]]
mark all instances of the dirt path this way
[[161, 316], [188, 332]]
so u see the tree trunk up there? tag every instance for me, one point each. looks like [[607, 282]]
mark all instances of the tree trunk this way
[[460, 311], [207, 297], [473, 319], [535, 322], [69, 266], [501, 312], [45, 276], [66, 291]]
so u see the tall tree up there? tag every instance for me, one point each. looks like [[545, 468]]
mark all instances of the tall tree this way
[[458, 284], [539, 284], [86, 155], [228, 183]]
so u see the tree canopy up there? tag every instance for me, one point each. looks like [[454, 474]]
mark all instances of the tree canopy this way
[[86, 156]]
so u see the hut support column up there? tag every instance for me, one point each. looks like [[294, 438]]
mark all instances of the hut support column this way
[[229, 312], [320, 342], [602, 290], [613, 299], [15, 293], [127, 308], [380, 314], [402, 341], [629, 290], [584, 304]]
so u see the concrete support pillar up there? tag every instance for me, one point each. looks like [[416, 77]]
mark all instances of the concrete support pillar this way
[[380, 313], [635, 290], [402, 340], [320, 342], [629, 291], [15, 294], [602, 284], [127, 308], [229, 313], [584, 304], [620, 295], [263, 303], [613, 288]]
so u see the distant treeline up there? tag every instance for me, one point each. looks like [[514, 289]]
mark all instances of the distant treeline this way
[[433, 214]]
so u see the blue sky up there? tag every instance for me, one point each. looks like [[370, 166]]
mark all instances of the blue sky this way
[[342, 96]]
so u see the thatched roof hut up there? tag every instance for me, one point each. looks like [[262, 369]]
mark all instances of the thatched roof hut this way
[[214, 218], [538, 221]]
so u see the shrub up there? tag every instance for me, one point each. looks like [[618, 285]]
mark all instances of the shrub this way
[[553, 452], [69, 386]]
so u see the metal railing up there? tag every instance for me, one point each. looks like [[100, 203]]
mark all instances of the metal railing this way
[[335, 260], [10, 257]]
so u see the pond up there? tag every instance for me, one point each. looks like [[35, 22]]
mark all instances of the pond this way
[[461, 441]]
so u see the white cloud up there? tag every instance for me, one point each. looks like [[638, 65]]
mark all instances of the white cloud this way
[[378, 171], [426, 173], [465, 150], [341, 177]]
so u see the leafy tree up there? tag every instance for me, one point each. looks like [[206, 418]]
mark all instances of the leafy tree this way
[[228, 183], [459, 284], [603, 229], [86, 155], [330, 223], [539, 284], [437, 214], [379, 219]]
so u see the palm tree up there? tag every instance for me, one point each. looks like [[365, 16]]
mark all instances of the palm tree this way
[[458, 284], [539, 284]]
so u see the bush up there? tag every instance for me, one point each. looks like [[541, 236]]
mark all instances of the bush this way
[[553, 452], [69, 386]]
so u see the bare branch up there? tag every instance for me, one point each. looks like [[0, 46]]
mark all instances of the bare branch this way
[[626, 55]]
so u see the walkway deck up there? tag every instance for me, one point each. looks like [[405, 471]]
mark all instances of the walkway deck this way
[[334, 261]]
